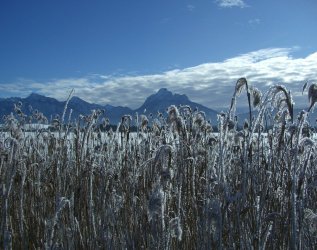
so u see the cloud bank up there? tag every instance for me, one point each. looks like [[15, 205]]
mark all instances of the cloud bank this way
[[211, 84]]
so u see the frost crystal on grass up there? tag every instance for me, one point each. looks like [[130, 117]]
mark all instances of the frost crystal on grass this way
[[175, 228], [156, 202]]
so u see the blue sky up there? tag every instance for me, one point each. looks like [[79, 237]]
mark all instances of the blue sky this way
[[120, 51]]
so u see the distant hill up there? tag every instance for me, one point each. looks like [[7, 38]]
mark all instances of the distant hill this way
[[50, 107]]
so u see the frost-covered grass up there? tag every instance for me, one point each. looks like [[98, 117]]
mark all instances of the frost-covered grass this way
[[172, 185]]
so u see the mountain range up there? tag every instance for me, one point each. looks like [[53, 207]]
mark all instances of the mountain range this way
[[158, 102], [50, 107]]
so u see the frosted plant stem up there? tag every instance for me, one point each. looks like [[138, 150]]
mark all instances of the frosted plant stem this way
[[21, 203], [220, 164], [66, 104], [294, 181], [91, 203], [7, 233]]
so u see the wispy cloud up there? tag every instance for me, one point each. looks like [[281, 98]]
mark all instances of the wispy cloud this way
[[190, 7], [231, 3], [254, 21], [165, 20], [211, 84]]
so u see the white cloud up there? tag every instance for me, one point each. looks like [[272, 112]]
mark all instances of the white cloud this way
[[231, 3], [190, 7], [211, 84]]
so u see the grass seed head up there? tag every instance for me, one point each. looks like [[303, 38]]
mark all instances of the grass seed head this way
[[256, 97], [173, 113], [241, 83], [312, 95]]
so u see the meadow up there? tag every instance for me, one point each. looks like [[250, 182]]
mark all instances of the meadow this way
[[173, 184]]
